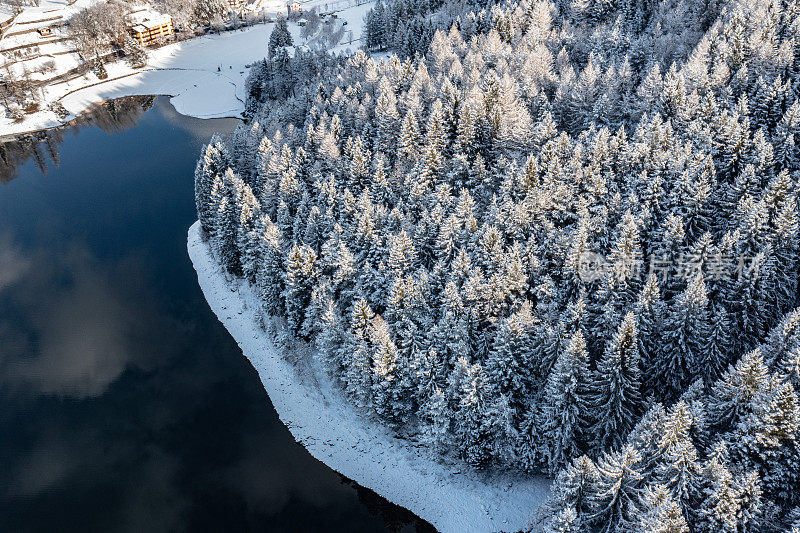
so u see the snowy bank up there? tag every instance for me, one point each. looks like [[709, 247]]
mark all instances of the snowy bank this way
[[327, 425]]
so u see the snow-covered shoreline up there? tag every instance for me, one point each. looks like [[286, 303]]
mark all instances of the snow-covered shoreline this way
[[186, 71], [204, 77], [319, 418]]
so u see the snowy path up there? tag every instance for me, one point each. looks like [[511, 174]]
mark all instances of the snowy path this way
[[331, 430]]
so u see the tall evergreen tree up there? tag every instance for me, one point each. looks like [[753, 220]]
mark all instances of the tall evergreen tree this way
[[660, 513], [565, 411], [686, 329], [619, 490], [615, 398], [213, 162], [279, 38], [573, 491], [301, 276]]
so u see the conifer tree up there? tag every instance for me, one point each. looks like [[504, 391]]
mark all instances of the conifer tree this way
[[409, 137], [357, 355], [660, 513], [573, 491], [565, 413], [226, 223], [213, 162], [732, 395], [279, 38], [250, 224], [474, 437], [678, 467], [331, 340], [269, 276], [615, 398], [301, 276], [649, 323], [387, 387], [387, 116], [565, 521], [511, 359], [773, 418], [619, 490], [402, 254], [686, 329], [716, 352], [436, 420], [722, 506]]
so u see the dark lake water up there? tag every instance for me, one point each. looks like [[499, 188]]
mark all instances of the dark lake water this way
[[124, 404]]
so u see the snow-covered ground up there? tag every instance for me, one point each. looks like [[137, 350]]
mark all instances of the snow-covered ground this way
[[322, 420], [46, 9], [205, 76]]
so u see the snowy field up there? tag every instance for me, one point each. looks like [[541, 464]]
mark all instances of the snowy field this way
[[321, 419], [46, 9], [187, 71]]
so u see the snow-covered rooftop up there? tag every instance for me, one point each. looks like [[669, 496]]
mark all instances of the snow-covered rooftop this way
[[148, 19]]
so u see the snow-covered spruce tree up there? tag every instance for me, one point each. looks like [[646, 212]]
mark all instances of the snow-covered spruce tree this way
[[676, 459], [270, 271], [571, 506], [473, 435], [279, 37], [212, 163], [619, 490], [732, 394], [615, 398], [436, 418], [301, 277], [685, 331], [660, 513], [391, 384], [565, 413], [225, 229]]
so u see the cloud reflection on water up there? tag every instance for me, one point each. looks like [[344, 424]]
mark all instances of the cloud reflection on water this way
[[80, 321], [13, 263]]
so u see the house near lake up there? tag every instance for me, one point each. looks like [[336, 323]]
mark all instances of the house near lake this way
[[149, 27]]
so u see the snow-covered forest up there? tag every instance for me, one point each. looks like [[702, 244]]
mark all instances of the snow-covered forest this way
[[562, 241]]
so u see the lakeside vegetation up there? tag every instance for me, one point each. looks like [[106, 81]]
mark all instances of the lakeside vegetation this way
[[435, 225]]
